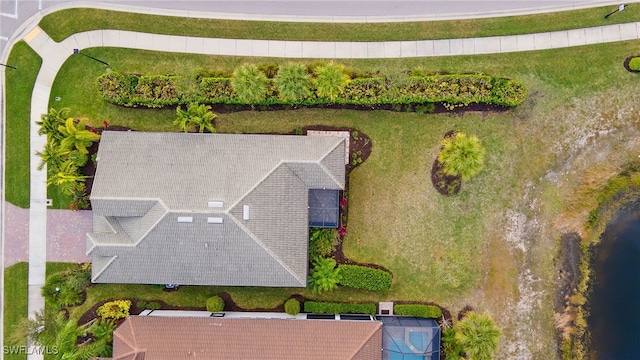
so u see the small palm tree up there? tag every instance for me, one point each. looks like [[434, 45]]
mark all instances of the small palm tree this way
[[249, 84], [293, 82], [51, 121], [197, 116], [461, 155], [53, 156], [67, 177], [330, 80], [75, 135], [478, 336], [324, 275]]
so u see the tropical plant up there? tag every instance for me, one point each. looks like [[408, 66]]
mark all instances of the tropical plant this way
[[324, 276], [197, 116], [103, 330], [215, 304], [320, 242], [54, 332], [249, 84], [293, 82], [50, 122], [461, 155], [66, 288], [478, 336], [76, 136], [117, 309], [330, 80], [452, 349], [67, 178], [292, 307], [53, 156]]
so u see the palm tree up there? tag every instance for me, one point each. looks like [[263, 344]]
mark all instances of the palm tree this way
[[197, 116], [478, 336], [51, 121], [67, 177], [75, 135], [53, 156], [293, 82], [249, 84], [324, 275], [330, 80], [461, 155], [62, 335]]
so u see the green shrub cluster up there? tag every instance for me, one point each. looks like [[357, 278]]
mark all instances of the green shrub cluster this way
[[362, 277], [321, 242], [338, 308], [66, 288], [634, 64], [117, 309], [423, 311], [311, 85], [215, 304], [151, 305], [292, 307]]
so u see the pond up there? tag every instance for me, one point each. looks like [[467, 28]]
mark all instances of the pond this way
[[615, 299]]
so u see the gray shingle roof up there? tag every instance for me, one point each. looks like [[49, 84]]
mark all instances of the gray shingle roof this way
[[145, 182]]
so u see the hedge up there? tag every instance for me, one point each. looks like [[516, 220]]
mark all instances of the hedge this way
[[159, 90], [423, 311], [361, 277], [215, 304], [338, 308]]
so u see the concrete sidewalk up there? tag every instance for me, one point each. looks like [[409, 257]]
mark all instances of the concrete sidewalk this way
[[55, 54]]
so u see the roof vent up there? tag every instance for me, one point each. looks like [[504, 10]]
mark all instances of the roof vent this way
[[245, 212], [214, 220], [215, 204], [185, 219]]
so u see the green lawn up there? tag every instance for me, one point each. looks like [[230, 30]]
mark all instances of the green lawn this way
[[19, 87], [61, 24], [15, 302]]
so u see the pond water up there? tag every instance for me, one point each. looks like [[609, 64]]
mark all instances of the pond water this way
[[615, 300]]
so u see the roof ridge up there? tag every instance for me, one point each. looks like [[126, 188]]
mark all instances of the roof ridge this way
[[158, 220], [265, 248], [367, 339], [104, 267], [131, 346]]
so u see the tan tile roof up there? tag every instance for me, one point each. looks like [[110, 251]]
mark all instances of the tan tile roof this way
[[158, 338]]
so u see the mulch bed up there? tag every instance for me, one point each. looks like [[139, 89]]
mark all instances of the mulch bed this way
[[627, 61], [443, 183]]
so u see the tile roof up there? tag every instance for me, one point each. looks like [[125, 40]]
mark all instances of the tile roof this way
[[153, 222], [159, 338]]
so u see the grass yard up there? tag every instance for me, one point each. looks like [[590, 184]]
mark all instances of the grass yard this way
[[15, 302], [451, 250], [19, 87], [59, 25]]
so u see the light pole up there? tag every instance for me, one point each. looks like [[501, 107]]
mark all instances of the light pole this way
[[620, 8], [77, 51], [9, 66]]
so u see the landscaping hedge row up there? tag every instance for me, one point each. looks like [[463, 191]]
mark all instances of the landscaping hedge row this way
[[156, 91], [364, 277], [338, 308], [423, 311]]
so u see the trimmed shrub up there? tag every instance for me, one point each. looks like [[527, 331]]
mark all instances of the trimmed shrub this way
[[634, 64], [117, 309], [157, 91], [423, 311], [151, 305], [338, 308], [215, 304], [216, 90], [361, 277], [292, 307]]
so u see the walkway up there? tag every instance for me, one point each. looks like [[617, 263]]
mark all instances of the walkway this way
[[55, 54]]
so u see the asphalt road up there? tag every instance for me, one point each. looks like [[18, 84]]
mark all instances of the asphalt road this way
[[13, 13]]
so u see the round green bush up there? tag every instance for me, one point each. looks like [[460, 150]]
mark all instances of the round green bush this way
[[292, 307], [215, 304], [634, 64]]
